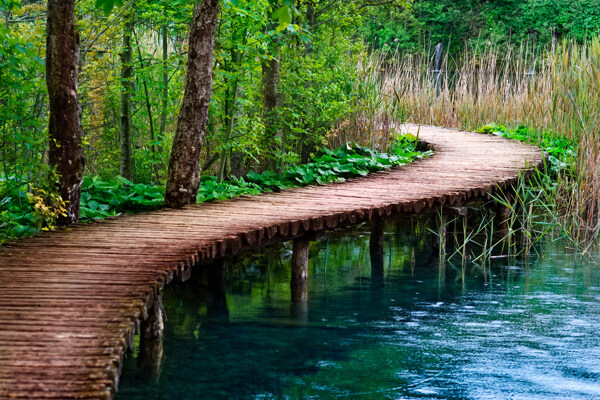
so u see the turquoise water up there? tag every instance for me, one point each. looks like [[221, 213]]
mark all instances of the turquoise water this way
[[514, 330]]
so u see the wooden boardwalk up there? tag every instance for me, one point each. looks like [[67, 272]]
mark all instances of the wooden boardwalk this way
[[69, 299]]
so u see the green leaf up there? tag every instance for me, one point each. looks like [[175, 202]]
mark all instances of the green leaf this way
[[125, 181], [284, 15], [108, 5]]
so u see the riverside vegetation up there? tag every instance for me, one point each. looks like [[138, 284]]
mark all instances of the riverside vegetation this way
[[553, 102], [284, 92]]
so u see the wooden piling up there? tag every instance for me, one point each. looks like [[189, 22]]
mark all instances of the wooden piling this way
[[442, 233], [299, 279], [151, 332], [153, 326]]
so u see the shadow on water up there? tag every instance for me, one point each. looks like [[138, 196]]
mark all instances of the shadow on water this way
[[385, 317]]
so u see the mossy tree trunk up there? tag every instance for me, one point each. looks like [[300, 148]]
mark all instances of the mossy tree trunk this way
[[184, 168], [64, 124]]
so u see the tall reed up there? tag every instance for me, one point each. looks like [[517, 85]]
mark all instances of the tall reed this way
[[554, 93]]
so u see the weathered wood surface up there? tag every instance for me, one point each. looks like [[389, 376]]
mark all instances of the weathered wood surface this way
[[69, 299]]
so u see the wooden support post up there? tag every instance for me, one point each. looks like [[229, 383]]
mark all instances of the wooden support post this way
[[502, 217], [152, 326], [299, 270], [215, 278], [376, 250], [299, 279], [441, 273], [151, 332]]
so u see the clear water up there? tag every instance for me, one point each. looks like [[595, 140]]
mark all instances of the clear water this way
[[516, 330]]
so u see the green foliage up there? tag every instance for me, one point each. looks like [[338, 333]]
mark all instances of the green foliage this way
[[25, 210], [285, 12], [108, 5], [318, 91], [561, 151], [100, 84], [479, 24], [23, 137], [101, 199], [210, 189], [330, 166], [17, 217], [235, 121]]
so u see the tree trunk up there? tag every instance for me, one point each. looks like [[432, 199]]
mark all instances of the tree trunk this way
[[299, 269], [555, 37], [154, 164], [238, 168], [125, 164], [184, 169], [231, 96], [64, 124], [236, 164], [230, 109], [270, 70], [165, 90], [307, 146], [270, 81]]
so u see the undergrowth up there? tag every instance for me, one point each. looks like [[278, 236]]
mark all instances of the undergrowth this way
[[25, 211]]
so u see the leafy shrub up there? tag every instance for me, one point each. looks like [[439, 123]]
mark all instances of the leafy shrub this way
[[347, 161], [25, 212], [101, 199], [210, 189]]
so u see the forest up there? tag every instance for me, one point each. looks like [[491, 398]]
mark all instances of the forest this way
[[243, 96]]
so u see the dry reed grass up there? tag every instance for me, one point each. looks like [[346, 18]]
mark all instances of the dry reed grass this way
[[557, 94]]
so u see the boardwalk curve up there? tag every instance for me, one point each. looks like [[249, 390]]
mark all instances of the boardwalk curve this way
[[69, 299]]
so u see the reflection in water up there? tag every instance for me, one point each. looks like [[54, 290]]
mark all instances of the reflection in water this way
[[217, 301], [149, 361], [376, 251], [299, 279], [151, 347], [435, 330]]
